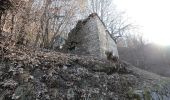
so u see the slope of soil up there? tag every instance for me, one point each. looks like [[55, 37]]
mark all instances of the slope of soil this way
[[29, 74]]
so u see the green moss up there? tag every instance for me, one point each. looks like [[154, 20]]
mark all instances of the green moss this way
[[156, 87], [134, 94], [160, 86], [144, 94], [147, 95]]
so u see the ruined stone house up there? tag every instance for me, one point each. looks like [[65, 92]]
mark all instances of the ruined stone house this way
[[58, 42], [90, 37]]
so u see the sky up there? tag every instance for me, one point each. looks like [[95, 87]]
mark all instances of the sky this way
[[153, 17]]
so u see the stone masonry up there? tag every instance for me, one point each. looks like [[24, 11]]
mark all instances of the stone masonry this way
[[90, 37]]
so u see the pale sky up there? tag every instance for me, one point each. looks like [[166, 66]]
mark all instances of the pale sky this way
[[152, 15]]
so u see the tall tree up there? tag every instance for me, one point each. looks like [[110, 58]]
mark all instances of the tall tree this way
[[4, 6], [113, 19]]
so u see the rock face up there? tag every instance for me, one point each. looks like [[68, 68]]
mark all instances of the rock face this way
[[91, 37]]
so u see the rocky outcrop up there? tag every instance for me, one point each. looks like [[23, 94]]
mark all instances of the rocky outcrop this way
[[90, 37]]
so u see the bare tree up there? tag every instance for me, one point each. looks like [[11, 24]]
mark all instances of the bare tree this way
[[113, 19], [101, 7], [57, 17], [40, 21], [4, 6], [24, 17]]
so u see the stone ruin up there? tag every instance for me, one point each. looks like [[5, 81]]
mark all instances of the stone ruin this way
[[90, 37]]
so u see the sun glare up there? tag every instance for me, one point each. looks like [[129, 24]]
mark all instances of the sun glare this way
[[152, 15], [159, 39]]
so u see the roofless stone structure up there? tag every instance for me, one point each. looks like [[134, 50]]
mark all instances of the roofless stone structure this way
[[90, 37]]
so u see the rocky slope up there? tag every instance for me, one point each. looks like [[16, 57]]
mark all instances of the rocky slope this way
[[29, 74]]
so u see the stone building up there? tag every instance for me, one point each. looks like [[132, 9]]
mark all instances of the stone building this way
[[58, 42], [90, 37]]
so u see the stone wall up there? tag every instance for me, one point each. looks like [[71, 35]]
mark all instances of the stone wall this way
[[106, 42], [90, 37]]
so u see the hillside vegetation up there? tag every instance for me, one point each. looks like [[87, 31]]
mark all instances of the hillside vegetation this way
[[29, 74]]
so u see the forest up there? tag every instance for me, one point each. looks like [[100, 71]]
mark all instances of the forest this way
[[39, 22], [77, 50]]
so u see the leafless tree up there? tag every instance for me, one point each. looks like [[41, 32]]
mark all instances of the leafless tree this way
[[113, 19], [58, 16], [4, 6], [39, 21]]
